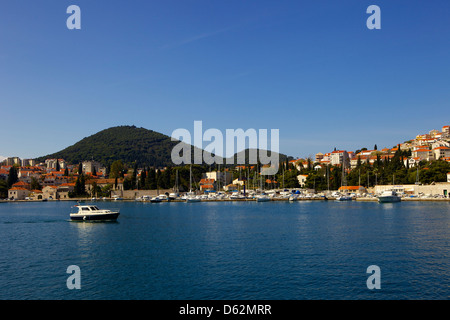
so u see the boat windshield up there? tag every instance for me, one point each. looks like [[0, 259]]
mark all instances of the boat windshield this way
[[94, 208]]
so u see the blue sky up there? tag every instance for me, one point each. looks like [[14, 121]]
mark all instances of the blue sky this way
[[311, 69]]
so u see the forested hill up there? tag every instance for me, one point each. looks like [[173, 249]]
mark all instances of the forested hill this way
[[129, 144], [126, 143]]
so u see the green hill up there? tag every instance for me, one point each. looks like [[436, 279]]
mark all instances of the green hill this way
[[126, 143]]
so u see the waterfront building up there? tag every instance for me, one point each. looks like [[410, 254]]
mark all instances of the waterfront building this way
[[50, 192], [223, 178], [207, 185], [21, 184], [302, 179], [18, 193], [353, 189]]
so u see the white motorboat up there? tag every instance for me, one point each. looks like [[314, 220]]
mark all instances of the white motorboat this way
[[389, 196], [173, 196], [93, 213], [192, 198], [345, 197], [155, 199], [236, 196], [262, 198], [163, 197]]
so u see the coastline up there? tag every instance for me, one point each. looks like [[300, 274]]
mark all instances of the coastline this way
[[229, 200]]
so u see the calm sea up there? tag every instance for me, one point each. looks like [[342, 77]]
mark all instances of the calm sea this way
[[227, 250]]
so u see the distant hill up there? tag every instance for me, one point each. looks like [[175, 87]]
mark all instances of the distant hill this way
[[245, 154], [126, 143]]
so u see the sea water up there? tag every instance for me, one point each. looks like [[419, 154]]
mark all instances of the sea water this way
[[227, 250]]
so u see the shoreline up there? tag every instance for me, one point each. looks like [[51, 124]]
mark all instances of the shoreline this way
[[225, 200]]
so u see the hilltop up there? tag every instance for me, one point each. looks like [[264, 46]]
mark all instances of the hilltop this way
[[127, 143]]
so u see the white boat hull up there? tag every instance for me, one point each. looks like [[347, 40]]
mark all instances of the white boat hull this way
[[388, 199]]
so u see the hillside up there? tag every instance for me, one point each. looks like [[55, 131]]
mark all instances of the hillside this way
[[126, 143], [245, 154]]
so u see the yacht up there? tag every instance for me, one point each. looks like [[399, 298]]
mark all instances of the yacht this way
[[236, 196], [389, 196], [345, 197], [163, 197], [92, 213], [190, 196], [155, 199], [193, 198], [262, 198], [173, 196]]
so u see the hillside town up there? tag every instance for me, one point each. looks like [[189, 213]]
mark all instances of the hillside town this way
[[55, 179]]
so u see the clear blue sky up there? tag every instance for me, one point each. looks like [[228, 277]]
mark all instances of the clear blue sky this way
[[311, 69]]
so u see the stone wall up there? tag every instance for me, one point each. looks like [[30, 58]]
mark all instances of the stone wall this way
[[133, 194]]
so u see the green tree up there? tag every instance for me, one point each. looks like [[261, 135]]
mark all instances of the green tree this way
[[3, 189], [117, 168], [142, 179], [80, 187], [13, 176], [35, 185]]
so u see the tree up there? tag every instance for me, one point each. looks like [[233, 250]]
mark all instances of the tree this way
[[35, 185], [80, 168], [80, 187], [151, 179], [117, 168], [3, 189], [13, 176], [142, 179], [375, 147]]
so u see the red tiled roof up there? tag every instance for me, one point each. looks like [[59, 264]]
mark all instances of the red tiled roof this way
[[350, 187], [20, 183], [207, 181], [441, 148]]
